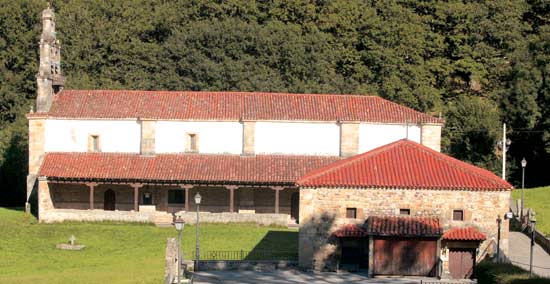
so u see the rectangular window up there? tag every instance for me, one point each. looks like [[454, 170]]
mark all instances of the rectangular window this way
[[192, 142], [94, 143], [176, 196], [458, 215], [404, 211], [351, 213]]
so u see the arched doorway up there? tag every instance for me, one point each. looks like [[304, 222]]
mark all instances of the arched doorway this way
[[109, 200], [295, 206]]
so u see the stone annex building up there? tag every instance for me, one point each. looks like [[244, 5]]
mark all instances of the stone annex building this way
[[362, 176]]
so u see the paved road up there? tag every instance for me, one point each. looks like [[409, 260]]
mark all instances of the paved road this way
[[519, 254], [292, 277]]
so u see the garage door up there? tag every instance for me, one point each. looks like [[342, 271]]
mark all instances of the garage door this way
[[394, 256], [461, 263]]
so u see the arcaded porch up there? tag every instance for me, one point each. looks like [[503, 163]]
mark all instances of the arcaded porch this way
[[151, 199]]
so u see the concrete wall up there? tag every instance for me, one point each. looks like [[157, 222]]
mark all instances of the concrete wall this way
[[72, 135], [213, 137], [375, 135], [323, 210], [297, 138]]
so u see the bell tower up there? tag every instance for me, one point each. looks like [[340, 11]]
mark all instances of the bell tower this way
[[49, 79]]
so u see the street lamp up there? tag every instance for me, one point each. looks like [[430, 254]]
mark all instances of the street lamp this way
[[179, 224], [499, 222], [533, 222], [197, 254], [523, 165]]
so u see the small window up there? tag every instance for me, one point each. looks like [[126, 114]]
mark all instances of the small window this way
[[192, 142], [458, 215], [94, 143], [176, 196], [404, 211], [351, 213]]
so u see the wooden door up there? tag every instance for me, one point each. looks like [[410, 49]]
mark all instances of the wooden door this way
[[295, 206], [109, 200], [401, 256], [461, 263]]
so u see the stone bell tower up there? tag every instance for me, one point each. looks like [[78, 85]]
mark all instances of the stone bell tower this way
[[49, 79]]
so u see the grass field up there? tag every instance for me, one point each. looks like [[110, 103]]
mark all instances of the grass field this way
[[504, 273], [114, 253], [539, 200]]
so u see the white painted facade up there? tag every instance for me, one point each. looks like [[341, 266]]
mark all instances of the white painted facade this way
[[372, 136], [221, 137], [213, 137], [297, 138], [65, 135]]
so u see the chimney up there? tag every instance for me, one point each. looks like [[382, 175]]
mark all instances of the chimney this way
[[49, 79]]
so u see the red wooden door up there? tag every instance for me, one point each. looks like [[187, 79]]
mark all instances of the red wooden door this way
[[394, 256], [461, 263]]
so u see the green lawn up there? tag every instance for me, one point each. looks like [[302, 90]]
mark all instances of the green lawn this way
[[504, 273], [115, 252], [539, 200]]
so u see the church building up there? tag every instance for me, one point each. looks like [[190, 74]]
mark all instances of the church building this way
[[363, 177]]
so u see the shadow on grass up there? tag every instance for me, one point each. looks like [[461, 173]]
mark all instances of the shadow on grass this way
[[276, 245], [505, 273]]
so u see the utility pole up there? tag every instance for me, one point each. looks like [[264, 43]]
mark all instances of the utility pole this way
[[504, 146]]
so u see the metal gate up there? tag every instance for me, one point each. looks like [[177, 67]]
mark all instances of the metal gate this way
[[403, 256]]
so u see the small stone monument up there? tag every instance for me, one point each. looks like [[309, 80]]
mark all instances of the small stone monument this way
[[71, 245]]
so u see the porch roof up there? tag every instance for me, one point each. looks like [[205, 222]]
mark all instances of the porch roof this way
[[180, 168], [464, 234], [403, 226]]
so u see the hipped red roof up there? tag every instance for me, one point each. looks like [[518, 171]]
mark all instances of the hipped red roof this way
[[404, 164], [464, 234], [403, 226], [231, 106], [203, 168]]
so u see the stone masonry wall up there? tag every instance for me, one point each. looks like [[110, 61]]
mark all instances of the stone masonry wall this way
[[148, 137], [36, 151], [322, 211], [431, 136], [349, 139]]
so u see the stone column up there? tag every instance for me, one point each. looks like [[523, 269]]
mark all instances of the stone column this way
[[136, 187], [187, 187], [44, 198], [248, 137], [147, 137], [431, 136], [231, 197], [91, 185], [277, 189], [349, 138]]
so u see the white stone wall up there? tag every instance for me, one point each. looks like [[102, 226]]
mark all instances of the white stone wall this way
[[65, 135], [297, 138], [213, 137], [375, 135]]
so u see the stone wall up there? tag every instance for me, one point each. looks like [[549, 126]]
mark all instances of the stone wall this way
[[431, 136], [349, 139], [323, 210], [36, 153], [147, 146]]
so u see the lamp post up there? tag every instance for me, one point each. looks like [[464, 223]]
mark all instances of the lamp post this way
[[499, 222], [179, 224], [197, 253], [523, 165], [533, 222]]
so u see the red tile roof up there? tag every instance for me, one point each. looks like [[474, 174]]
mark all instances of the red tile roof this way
[[199, 168], [404, 164], [350, 231], [464, 234], [403, 226], [231, 106]]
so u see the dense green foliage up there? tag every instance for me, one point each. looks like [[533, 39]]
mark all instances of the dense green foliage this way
[[477, 63], [537, 199], [115, 252]]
